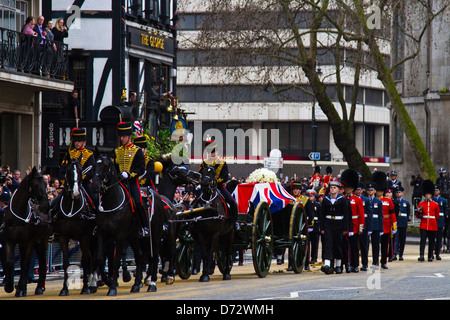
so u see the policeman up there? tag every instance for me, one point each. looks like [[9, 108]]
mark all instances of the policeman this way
[[151, 166], [443, 206], [350, 180], [393, 183], [364, 236], [376, 214], [334, 224], [403, 217], [213, 160], [130, 162], [428, 212], [77, 150], [444, 182]]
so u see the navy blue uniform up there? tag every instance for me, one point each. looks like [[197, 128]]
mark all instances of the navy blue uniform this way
[[404, 213], [364, 237], [443, 206], [376, 209]]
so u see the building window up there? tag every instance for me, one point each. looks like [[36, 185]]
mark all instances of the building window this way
[[13, 14], [369, 140], [79, 76], [397, 139], [295, 138]]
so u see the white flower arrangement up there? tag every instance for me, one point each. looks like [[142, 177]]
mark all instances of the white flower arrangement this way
[[262, 175]]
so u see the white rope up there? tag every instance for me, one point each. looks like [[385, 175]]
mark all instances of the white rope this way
[[28, 218], [71, 214], [100, 207]]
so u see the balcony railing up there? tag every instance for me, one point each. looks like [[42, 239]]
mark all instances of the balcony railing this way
[[30, 54]]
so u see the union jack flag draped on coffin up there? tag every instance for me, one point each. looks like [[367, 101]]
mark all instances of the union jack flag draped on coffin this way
[[271, 192]]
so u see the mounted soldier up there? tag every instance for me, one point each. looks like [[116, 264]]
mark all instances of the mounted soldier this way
[[151, 166], [218, 163], [130, 163], [77, 150]]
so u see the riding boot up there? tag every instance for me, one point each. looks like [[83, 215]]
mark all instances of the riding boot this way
[[142, 219]]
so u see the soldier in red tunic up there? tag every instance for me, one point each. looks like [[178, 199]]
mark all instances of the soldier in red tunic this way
[[428, 212], [350, 180]]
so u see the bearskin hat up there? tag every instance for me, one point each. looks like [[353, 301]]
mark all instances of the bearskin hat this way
[[427, 187], [329, 169], [350, 178], [317, 169], [379, 177]]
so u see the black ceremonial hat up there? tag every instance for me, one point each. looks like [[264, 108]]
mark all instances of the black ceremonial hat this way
[[140, 141], [427, 187], [329, 169], [124, 129], [78, 134], [350, 178], [297, 184], [379, 177]]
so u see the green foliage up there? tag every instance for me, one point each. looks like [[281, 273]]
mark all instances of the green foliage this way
[[161, 145]]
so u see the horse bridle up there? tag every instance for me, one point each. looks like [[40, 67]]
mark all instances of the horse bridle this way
[[104, 179], [32, 205], [74, 182], [104, 188]]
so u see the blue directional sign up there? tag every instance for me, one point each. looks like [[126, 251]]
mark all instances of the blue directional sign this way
[[314, 156]]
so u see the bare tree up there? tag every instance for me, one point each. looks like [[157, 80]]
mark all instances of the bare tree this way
[[284, 41]]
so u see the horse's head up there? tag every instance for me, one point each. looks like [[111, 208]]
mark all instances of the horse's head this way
[[37, 192], [104, 174], [74, 178], [208, 182], [178, 174]]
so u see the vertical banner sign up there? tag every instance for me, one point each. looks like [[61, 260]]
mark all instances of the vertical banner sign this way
[[50, 139]]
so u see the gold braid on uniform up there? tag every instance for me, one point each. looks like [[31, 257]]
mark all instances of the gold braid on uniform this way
[[219, 161], [124, 158], [80, 155]]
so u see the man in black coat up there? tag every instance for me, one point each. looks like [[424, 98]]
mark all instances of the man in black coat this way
[[335, 222]]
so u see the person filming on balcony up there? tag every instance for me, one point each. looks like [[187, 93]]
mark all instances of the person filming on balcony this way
[[60, 30]]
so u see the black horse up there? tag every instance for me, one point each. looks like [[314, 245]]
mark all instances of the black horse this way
[[73, 218], [172, 177], [116, 222], [27, 224], [213, 230]]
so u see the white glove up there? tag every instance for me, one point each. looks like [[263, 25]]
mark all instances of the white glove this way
[[381, 233], [125, 175], [310, 229], [350, 234], [369, 233]]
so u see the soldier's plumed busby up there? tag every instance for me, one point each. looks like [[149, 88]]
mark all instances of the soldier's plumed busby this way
[[379, 177], [427, 187], [78, 134], [349, 178], [124, 129]]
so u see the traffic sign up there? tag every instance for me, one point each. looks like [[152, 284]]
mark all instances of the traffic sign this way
[[273, 163], [314, 156]]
